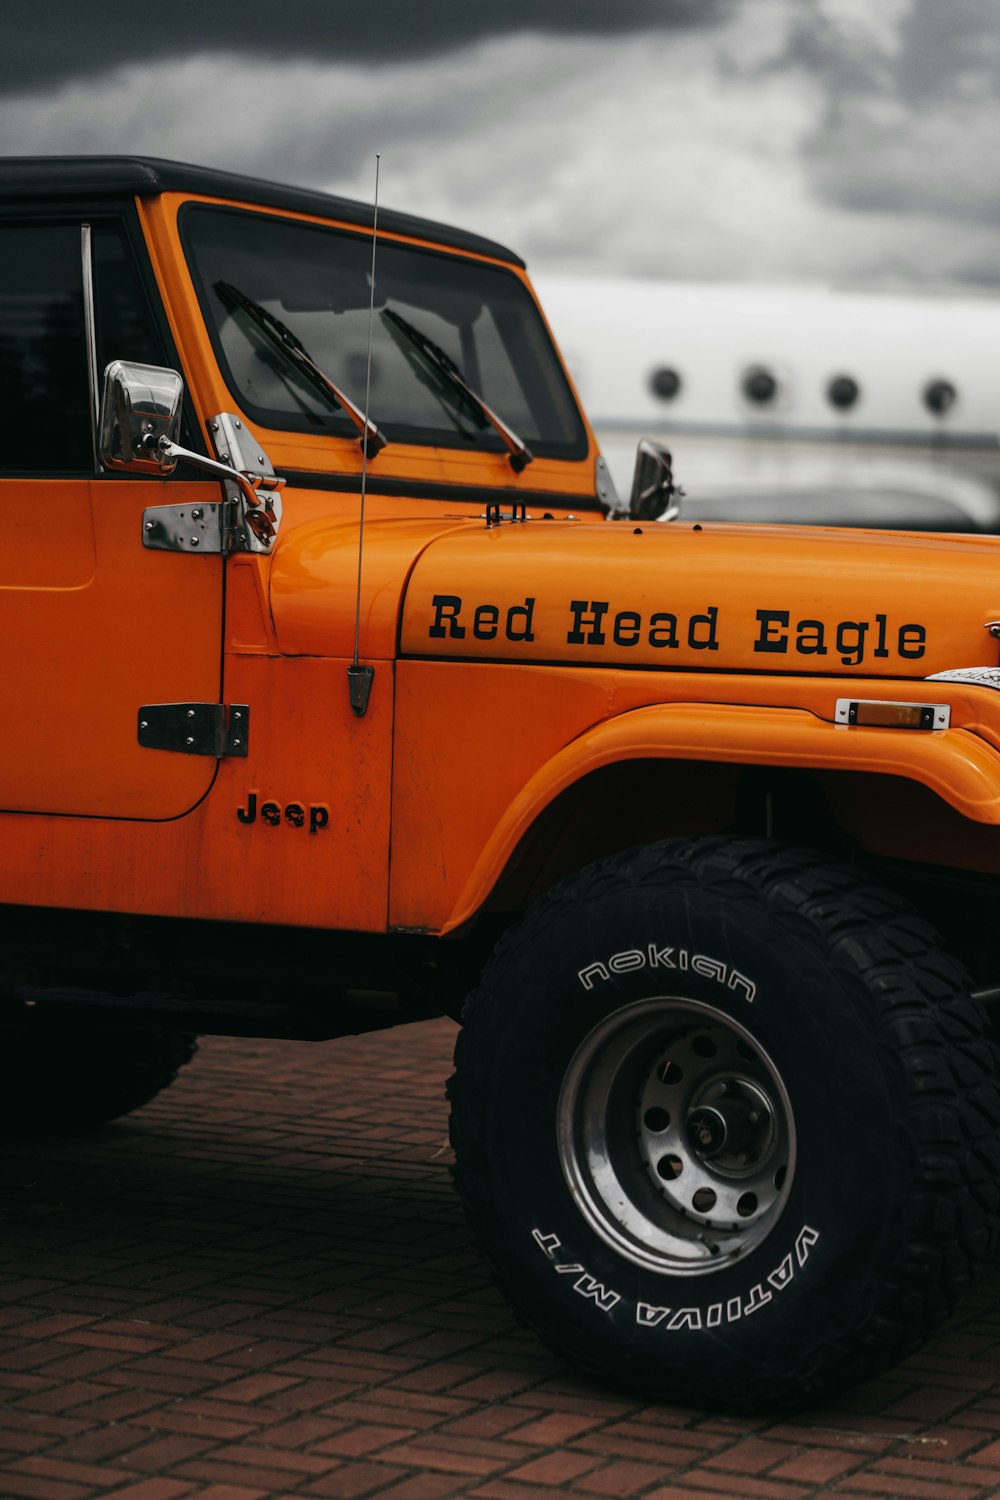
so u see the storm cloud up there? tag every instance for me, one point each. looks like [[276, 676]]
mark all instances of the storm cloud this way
[[831, 140], [63, 40], [911, 128]]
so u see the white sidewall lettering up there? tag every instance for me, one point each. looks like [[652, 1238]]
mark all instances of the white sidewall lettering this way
[[630, 960], [651, 1315]]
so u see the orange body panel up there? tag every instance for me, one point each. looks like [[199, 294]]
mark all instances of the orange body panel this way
[[678, 597], [314, 583], [309, 756], [517, 737], [98, 626]]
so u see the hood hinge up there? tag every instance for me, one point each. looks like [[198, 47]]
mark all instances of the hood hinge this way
[[195, 728]]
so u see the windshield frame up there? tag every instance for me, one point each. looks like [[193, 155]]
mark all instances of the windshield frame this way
[[338, 427]]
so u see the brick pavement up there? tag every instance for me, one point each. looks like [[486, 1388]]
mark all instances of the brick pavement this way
[[261, 1286]]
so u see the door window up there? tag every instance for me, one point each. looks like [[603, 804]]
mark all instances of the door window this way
[[45, 419], [126, 328], [44, 395]]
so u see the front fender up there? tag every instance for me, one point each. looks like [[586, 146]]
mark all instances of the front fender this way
[[955, 764]]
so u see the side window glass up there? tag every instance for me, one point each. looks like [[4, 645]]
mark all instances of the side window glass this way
[[44, 393], [126, 328]]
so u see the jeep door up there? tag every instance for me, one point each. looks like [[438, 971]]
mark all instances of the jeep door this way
[[94, 626]]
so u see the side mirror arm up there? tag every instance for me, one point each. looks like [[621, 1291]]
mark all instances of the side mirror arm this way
[[172, 453]]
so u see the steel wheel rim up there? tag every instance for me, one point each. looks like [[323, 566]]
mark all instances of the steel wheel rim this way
[[676, 1136]]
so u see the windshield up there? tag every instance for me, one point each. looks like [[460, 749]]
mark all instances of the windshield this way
[[316, 281]]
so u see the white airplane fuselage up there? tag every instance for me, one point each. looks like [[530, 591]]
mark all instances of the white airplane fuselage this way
[[768, 388]]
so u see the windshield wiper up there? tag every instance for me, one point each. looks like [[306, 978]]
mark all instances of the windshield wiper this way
[[286, 342], [443, 369]]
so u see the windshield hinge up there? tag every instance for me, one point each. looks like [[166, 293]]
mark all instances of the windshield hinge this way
[[195, 728], [248, 519], [604, 486]]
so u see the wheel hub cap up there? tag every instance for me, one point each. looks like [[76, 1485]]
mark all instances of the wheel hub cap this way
[[734, 1127], [676, 1135]]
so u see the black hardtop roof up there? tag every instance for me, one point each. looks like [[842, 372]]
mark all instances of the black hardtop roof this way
[[33, 178]]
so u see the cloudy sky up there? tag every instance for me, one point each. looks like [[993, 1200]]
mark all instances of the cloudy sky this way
[[819, 140]]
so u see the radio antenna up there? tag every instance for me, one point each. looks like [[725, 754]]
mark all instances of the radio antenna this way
[[359, 678]]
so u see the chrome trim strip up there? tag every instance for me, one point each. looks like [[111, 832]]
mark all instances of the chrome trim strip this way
[[607, 494], [90, 332]]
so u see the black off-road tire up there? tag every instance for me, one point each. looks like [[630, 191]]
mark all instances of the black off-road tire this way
[[56, 1078], [726, 1124]]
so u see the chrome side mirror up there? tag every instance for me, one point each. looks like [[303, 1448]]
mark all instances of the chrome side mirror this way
[[654, 495], [140, 405], [140, 424]]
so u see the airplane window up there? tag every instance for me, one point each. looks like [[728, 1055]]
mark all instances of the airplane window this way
[[842, 392], [759, 385], [665, 383], [939, 396]]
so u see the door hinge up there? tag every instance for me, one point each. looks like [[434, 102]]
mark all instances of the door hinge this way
[[186, 528], [195, 728]]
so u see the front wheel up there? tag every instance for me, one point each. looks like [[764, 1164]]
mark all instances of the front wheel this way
[[726, 1125]]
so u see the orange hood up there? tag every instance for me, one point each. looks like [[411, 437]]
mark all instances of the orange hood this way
[[726, 597], [733, 598]]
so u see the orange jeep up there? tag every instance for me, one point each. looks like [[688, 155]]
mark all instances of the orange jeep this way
[[342, 686]]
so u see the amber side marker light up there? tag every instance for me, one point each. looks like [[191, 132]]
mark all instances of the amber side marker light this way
[[878, 713]]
